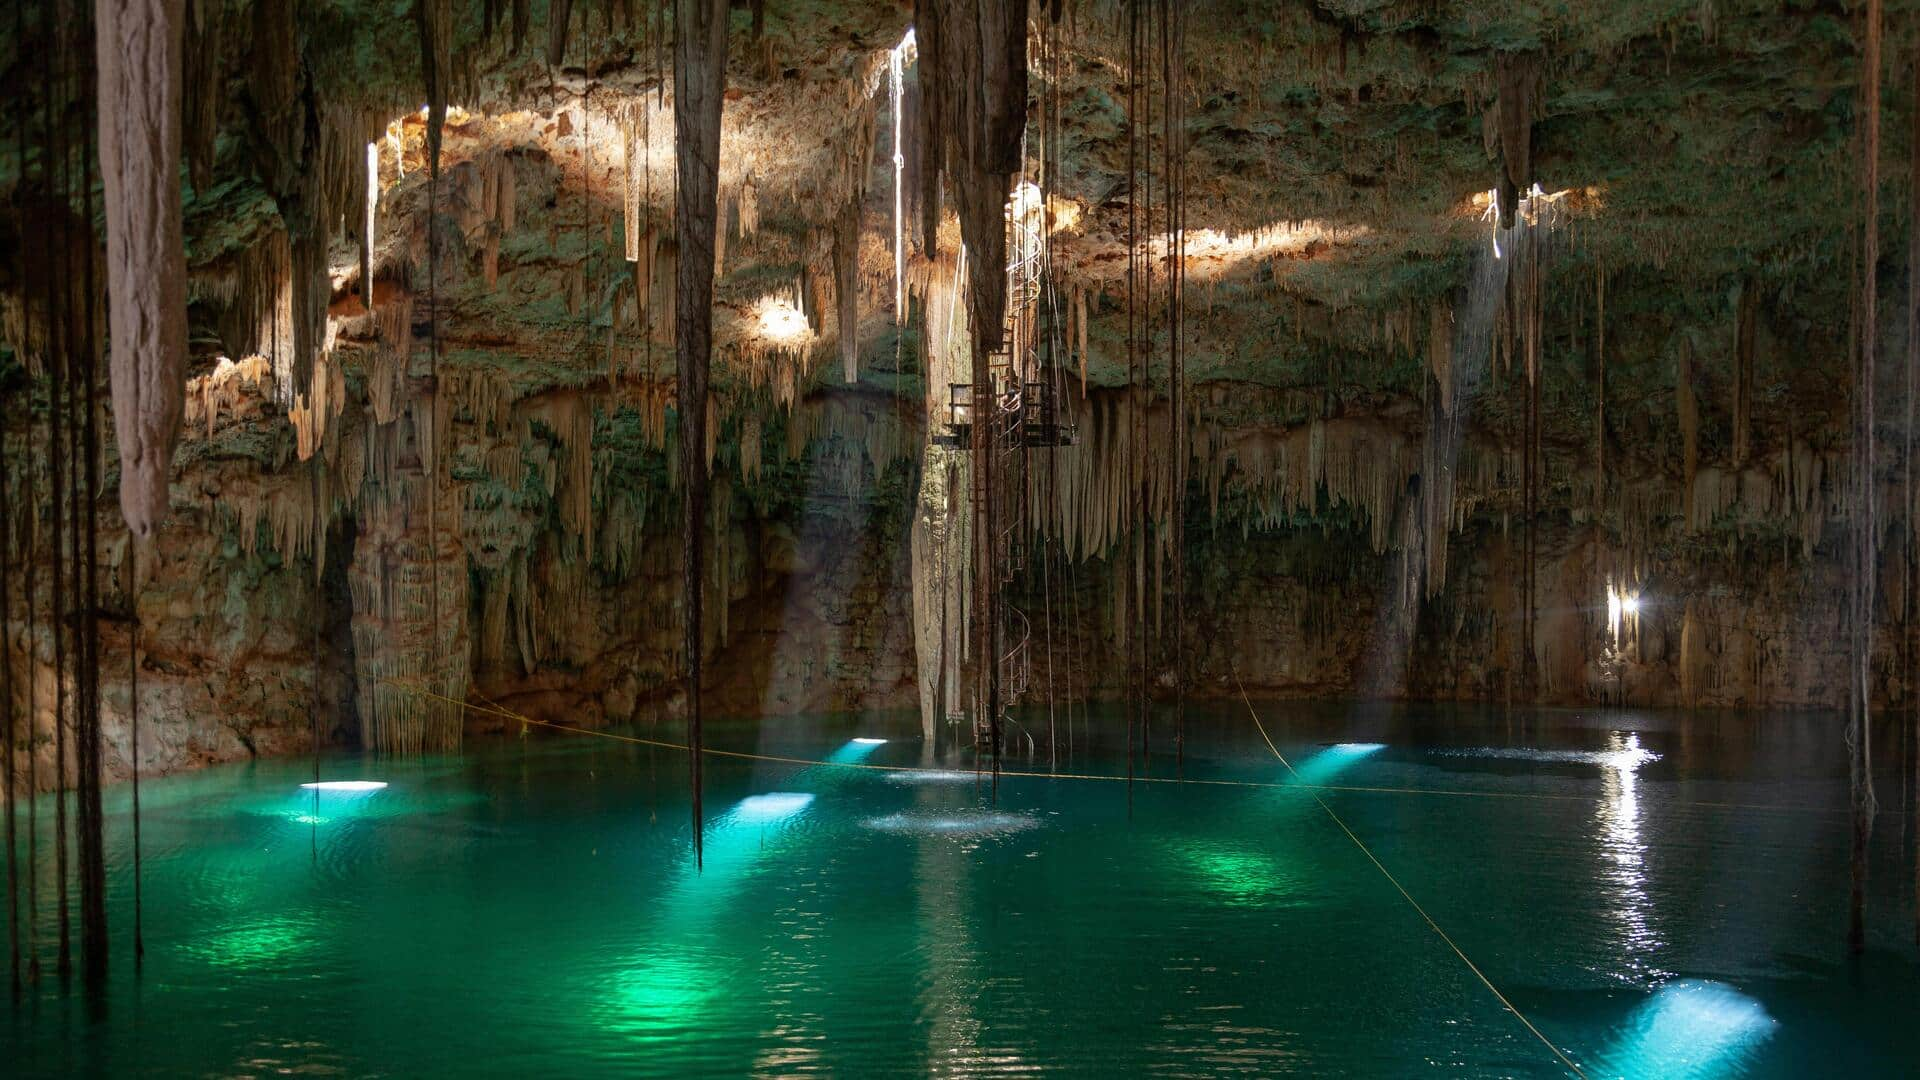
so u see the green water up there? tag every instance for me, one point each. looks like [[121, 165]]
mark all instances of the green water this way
[[1659, 895]]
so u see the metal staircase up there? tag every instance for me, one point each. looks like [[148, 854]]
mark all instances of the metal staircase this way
[[1021, 412]]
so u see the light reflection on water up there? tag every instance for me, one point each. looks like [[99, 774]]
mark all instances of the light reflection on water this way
[[1623, 863], [540, 899]]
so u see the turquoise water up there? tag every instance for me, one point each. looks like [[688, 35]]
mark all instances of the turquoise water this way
[[1660, 895]]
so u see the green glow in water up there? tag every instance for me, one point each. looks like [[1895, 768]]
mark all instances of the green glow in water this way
[[1238, 877], [266, 943]]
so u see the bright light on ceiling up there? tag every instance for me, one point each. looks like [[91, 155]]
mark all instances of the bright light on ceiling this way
[[780, 322]]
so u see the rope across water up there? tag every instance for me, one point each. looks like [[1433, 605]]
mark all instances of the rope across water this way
[[1411, 902], [492, 708]]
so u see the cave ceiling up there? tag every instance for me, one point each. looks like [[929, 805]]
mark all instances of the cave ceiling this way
[[1338, 160]]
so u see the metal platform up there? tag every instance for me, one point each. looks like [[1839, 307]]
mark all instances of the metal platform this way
[[1038, 424]]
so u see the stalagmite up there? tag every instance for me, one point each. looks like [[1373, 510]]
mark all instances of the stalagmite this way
[[139, 63]]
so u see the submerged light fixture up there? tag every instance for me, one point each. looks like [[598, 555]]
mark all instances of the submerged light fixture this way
[[1691, 1028], [350, 787], [772, 806]]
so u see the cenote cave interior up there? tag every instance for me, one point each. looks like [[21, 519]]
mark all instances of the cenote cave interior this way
[[1325, 538]]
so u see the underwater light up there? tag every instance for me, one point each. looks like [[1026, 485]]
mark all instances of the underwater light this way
[[1692, 1029], [772, 806], [1323, 766], [931, 776], [855, 751], [350, 786]]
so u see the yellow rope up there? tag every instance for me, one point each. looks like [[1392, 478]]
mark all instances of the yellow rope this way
[[1402, 889], [495, 709]]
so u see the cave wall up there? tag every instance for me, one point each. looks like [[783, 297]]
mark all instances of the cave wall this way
[[816, 565], [478, 366]]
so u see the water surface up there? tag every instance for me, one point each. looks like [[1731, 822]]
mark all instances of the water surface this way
[[1658, 894]]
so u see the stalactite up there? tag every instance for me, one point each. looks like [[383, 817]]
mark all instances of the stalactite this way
[[370, 202], [1517, 76], [634, 160], [897, 58], [977, 135], [699, 79], [140, 80], [1864, 537], [90, 349], [203, 87], [1909, 591], [1440, 354], [1692, 660], [846, 287], [1744, 331], [223, 390], [1687, 411], [8, 744], [559, 20], [434, 19], [1599, 389]]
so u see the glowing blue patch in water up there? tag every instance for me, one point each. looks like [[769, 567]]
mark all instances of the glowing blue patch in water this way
[[856, 750], [346, 787], [1691, 1030], [773, 806], [931, 776], [1324, 765], [953, 823]]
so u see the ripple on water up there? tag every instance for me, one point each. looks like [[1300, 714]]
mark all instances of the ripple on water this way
[[932, 776], [972, 824], [1629, 758]]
